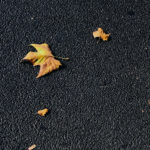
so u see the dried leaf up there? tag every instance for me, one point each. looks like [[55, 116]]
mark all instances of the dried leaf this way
[[44, 58], [32, 147], [100, 34], [43, 112]]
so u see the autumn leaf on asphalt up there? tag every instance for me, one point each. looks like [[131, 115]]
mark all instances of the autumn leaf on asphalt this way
[[32, 147], [100, 34], [44, 58], [43, 112]]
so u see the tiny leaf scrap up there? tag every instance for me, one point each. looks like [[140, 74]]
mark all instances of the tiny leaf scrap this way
[[32, 147], [44, 58], [43, 112], [101, 34]]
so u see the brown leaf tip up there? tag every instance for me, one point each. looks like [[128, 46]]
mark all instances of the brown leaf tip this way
[[43, 112], [101, 34]]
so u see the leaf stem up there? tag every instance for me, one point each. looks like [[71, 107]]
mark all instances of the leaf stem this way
[[61, 58]]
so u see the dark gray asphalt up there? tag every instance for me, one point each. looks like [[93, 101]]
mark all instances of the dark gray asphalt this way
[[99, 99]]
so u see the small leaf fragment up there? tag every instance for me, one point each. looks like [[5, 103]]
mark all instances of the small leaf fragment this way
[[148, 102], [32, 147], [100, 34], [44, 58], [43, 112]]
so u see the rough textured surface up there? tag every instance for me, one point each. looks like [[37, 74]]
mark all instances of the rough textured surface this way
[[99, 99]]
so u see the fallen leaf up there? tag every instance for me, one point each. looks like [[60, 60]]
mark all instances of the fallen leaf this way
[[32, 147], [100, 34], [43, 112], [44, 58]]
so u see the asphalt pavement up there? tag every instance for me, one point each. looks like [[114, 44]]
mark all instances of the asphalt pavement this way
[[98, 100]]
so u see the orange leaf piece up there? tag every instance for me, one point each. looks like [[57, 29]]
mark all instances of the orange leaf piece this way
[[43, 112], [32, 147], [44, 58], [100, 34]]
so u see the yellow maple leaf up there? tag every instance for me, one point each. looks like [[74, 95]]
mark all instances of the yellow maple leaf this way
[[100, 34], [44, 58], [43, 112]]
